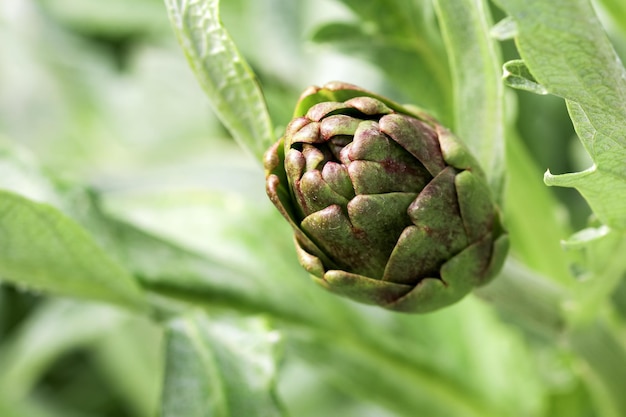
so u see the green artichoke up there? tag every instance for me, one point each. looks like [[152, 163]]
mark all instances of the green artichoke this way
[[388, 207]]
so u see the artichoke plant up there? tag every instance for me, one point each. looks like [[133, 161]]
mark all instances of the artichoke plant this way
[[388, 207]]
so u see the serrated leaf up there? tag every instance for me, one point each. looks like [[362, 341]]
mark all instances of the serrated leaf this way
[[578, 63], [478, 93], [604, 184], [41, 249], [220, 369], [223, 73]]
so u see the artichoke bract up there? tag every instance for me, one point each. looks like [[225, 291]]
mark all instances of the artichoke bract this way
[[388, 207]]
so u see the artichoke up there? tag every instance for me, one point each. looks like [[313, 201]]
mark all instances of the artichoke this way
[[388, 207]]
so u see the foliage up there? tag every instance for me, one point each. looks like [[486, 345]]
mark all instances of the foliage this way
[[144, 271]]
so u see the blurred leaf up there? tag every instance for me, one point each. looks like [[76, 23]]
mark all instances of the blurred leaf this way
[[131, 360], [603, 347], [64, 98], [223, 73], [41, 249], [402, 345], [617, 12], [56, 327], [116, 18], [599, 270], [530, 300], [574, 401], [578, 63], [20, 174], [291, 300], [619, 298], [48, 80], [478, 93], [400, 38], [280, 25], [206, 222], [176, 266], [307, 392], [220, 368], [504, 30], [533, 217], [27, 409], [450, 363]]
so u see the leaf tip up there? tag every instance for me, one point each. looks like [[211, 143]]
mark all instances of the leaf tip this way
[[516, 75], [504, 30]]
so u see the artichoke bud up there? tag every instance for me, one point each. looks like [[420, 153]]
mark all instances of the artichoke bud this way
[[387, 206]]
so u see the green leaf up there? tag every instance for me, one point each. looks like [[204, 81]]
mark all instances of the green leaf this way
[[603, 346], [504, 30], [604, 184], [114, 19], [599, 270], [361, 340], [381, 339], [401, 39], [616, 12], [198, 247], [450, 363], [223, 73], [578, 63], [27, 409], [41, 249], [478, 92], [130, 360], [517, 75], [530, 300], [187, 217], [20, 174], [220, 369], [56, 327], [534, 217]]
